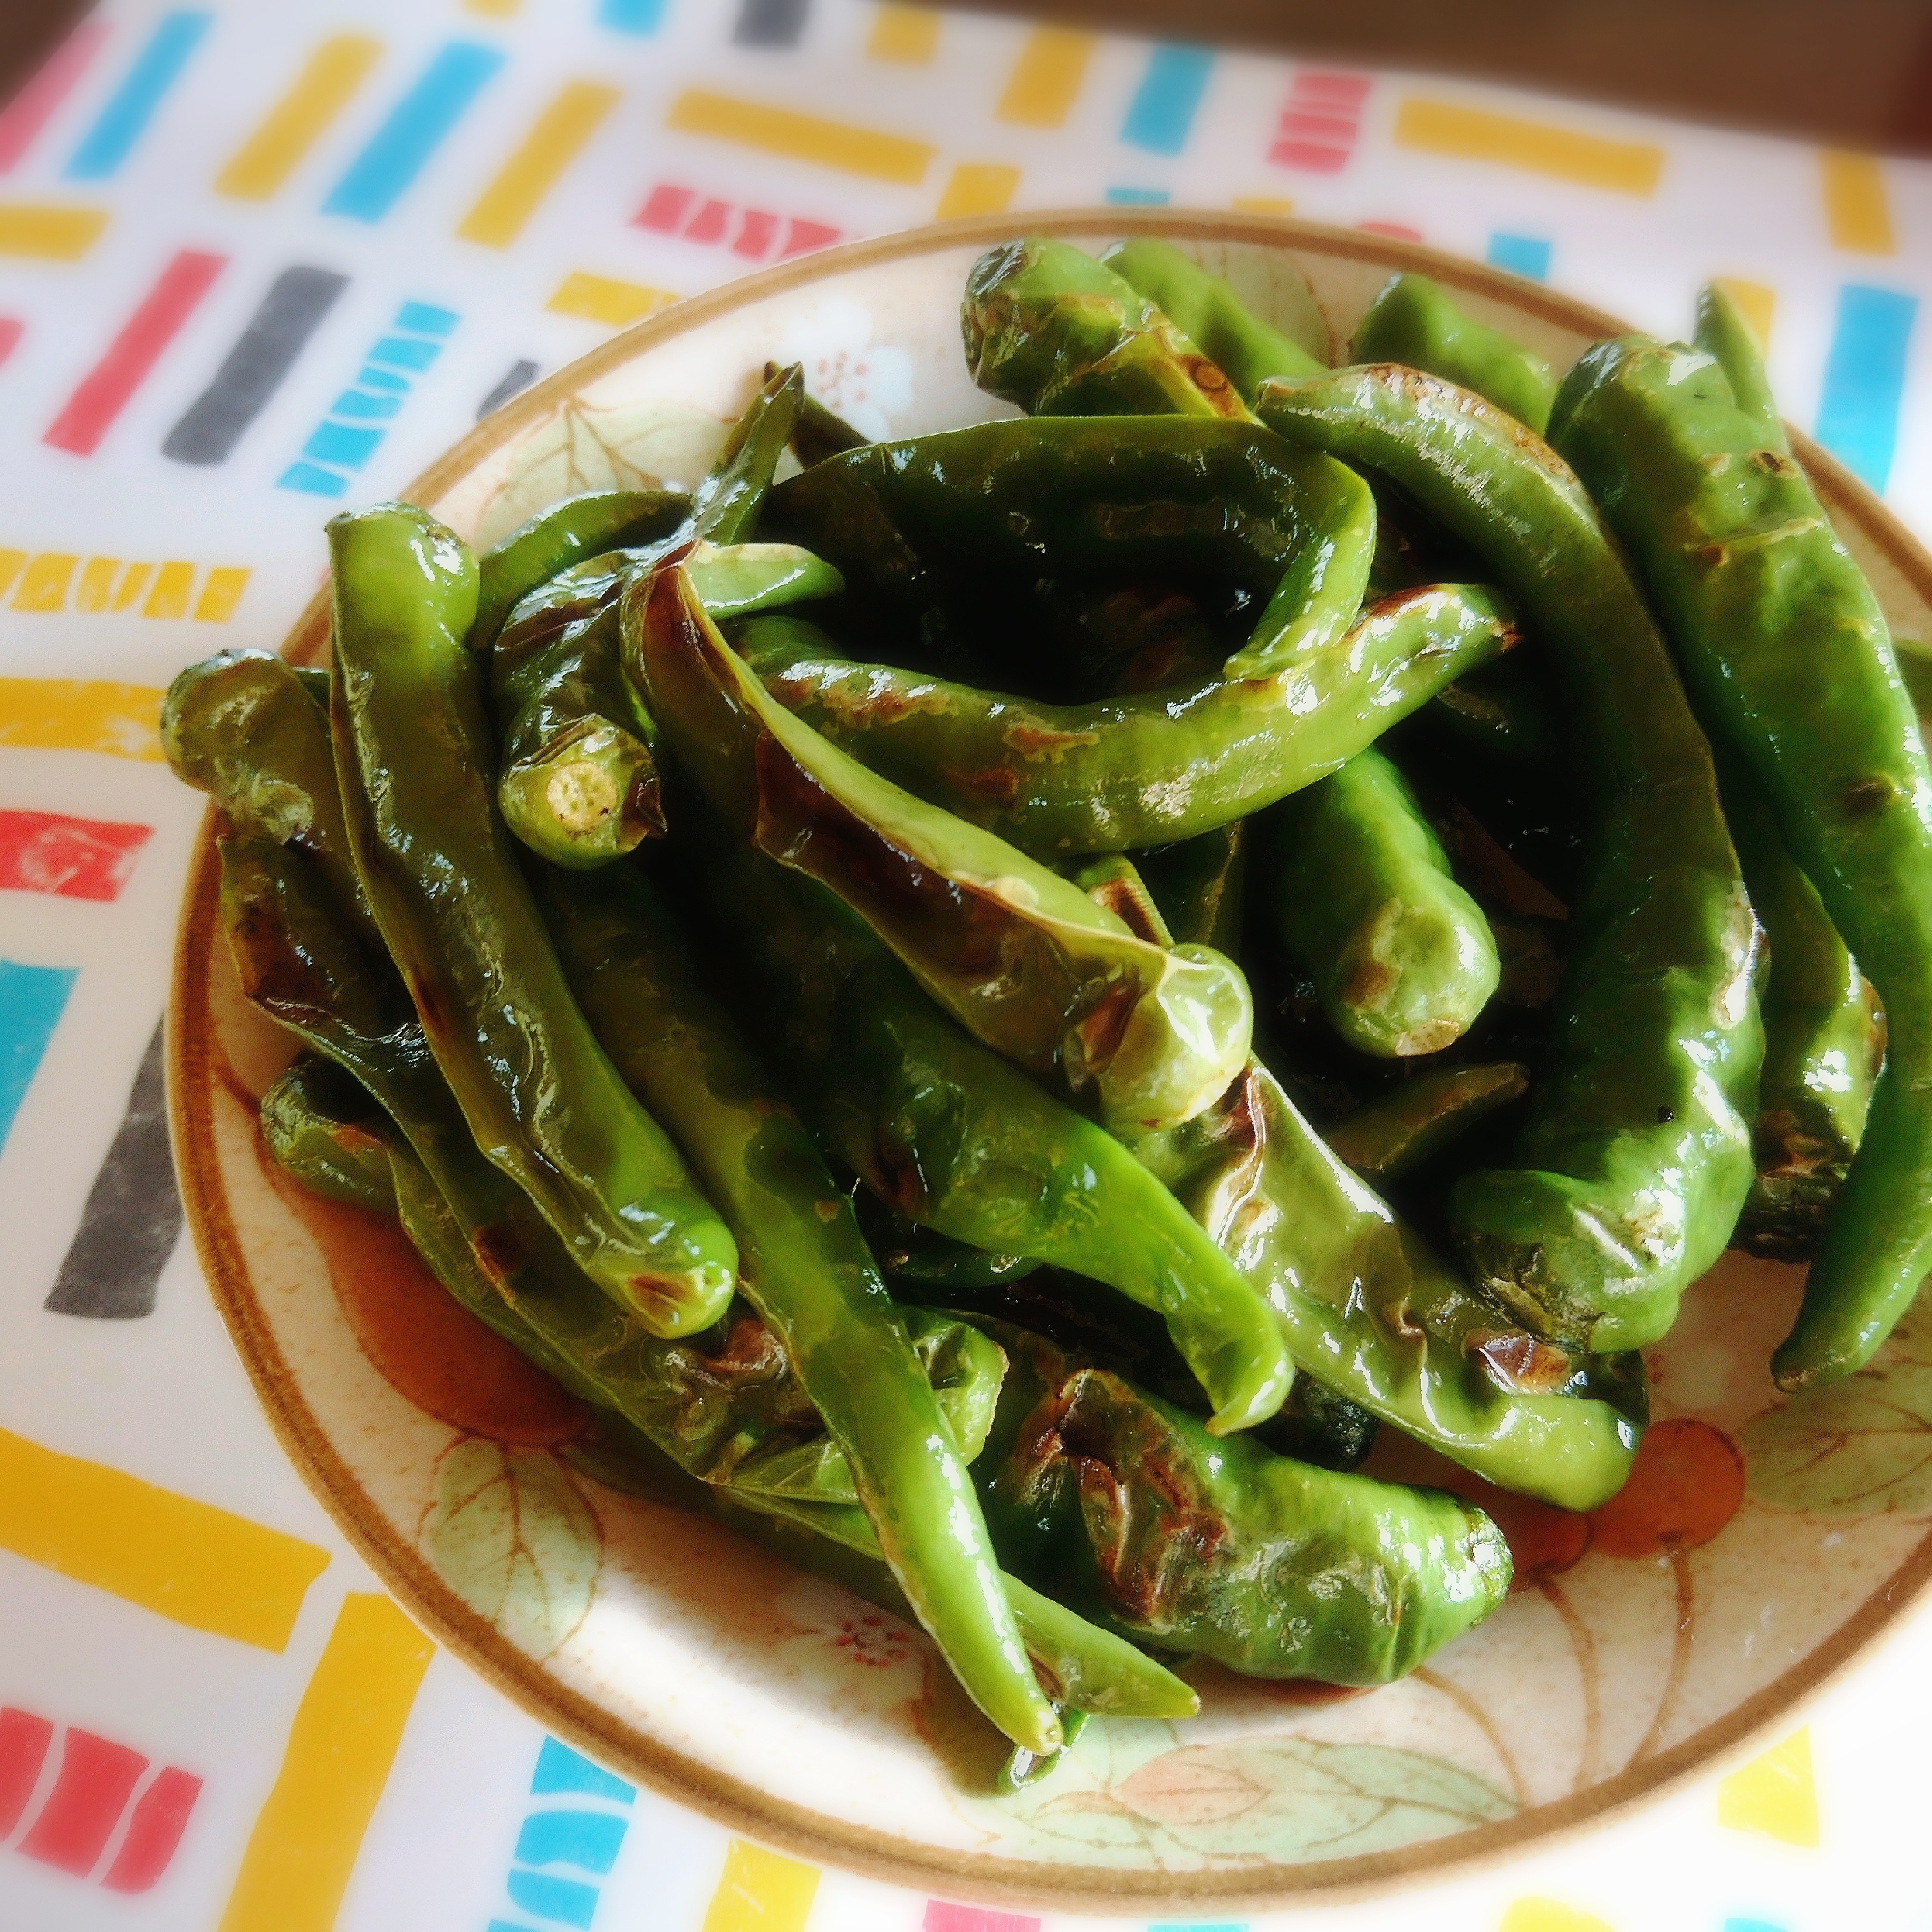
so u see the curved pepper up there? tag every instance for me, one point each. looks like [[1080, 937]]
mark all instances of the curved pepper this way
[[1637, 1155], [1402, 957], [1385, 1138], [956, 1139], [1048, 326], [806, 1270], [545, 1103], [1125, 1508], [1199, 886], [1021, 957], [1412, 321], [1209, 313], [1786, 651], [1118, 773], [1367, 1309], [1723, 333], [317, 1126]]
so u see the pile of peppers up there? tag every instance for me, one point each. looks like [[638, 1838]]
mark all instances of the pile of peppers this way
[[997, 1003]]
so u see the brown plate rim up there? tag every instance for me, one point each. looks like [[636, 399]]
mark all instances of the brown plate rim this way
[[738, 1805]]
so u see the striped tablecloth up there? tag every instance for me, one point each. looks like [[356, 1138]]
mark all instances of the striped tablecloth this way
[[260, 261]]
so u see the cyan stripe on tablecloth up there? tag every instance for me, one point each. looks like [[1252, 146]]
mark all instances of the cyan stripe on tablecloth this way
[[1864, 379], [120, 124]]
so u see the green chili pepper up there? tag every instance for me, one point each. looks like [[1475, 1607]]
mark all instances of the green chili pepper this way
[[1498, 710], [543, 1101], [1389, 1136], [1048, 326], [1414, 322], [1724, 333], [1021, 957], [1118, 773], [805, 1269], [933, 1263], [956, 1139], [725, 505], [1199, 885], [1366, 1308], [1636, 1156], [817, 432], [243, 726], [1824, 1040], [316, 1124], [554, 539], [1785, 647], [1125, 1508], [1209, 313], [1364, 900]]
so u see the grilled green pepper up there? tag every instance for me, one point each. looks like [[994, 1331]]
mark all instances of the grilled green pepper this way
[[1123, 1506], [1119, 773], [1388, 1137], [1414, 322], [1363, 899], [317, 1124], [546, 1106], [1637, 1155], [1786, 653], [1016, 953]]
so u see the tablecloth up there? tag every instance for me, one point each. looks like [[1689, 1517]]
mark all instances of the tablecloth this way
[[212, 219]]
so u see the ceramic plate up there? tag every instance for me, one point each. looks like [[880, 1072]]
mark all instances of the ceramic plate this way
[[1760, 1545]]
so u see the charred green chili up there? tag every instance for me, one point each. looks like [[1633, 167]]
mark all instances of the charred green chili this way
[[1361, 896], [1383, 1140], [1637, 1155], [1016, 953], [1786, 651], [1119, 773], [1125, 1508], [546, 1106], [1414, 322], [319, 1126], [805, 1268]]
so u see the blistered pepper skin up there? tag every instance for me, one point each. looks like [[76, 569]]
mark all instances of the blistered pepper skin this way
[[1787, 654], [1414, 322], [1061, 781], [1637, 1155], [1361, 896], [413, 758]]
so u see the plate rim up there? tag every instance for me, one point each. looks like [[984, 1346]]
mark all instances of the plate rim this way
[[741, 1807]]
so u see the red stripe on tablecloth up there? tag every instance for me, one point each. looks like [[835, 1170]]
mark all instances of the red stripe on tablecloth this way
[[75, 858], [153, 1831], [104, 392], [97, 1779], [35, 104], [23, 1749]]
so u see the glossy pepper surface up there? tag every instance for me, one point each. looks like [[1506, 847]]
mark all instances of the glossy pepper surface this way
[[1119, 773], [1414, 322], [540, 1094], [1016, 953], [1361, 896], [1637, 1155], [1245, 349], [318, 1125], [1124, 1507], [1367, 1309], [956, 1139], [1388, 1137], [1787, 654], [805, 1268]]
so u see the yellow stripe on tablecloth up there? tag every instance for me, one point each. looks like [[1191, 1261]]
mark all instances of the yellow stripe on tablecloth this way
[[341, 1749], [1774, 1795], [1855, 209], [294, 124], [1046, 80], [185, 1560], [1263, 204], [1546, 1914], [552, 144], [760, 1891], [909, 34], [96, 582], [43, 586], [47, 233], [173, 583], [599, 298], [219, 594], [800, 137], [978, 188], [1756, 304], [1472, 134], [65, 714]]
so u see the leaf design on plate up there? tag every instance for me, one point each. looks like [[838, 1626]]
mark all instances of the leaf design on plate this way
[[634, 446], [1278, 1799], [512, 1536], [1857, 1448]]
